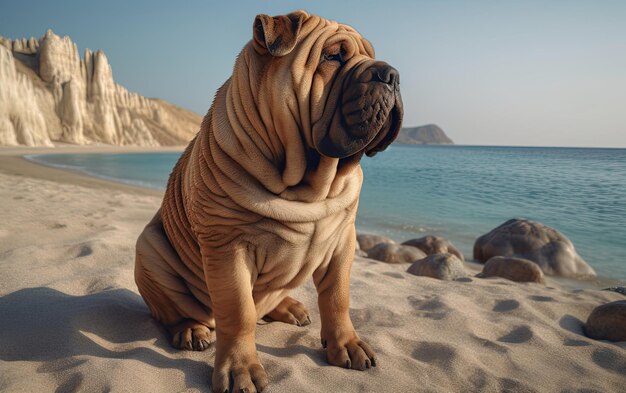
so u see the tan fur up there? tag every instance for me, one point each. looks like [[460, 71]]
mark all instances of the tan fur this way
[[250, 212]]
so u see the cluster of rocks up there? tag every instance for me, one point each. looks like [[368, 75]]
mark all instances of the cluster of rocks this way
[[518, 250], [48, 93], [430, 256]]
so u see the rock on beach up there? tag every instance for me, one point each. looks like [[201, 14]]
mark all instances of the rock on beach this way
[[608, 322], [514, 269], [441, 266], [531, 240], [434, 245], [367, 241], [395, 253]]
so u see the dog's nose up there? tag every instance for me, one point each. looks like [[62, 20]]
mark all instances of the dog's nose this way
[[386, 74]]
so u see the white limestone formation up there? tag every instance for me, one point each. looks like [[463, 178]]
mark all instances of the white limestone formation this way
[[21, 122], [48, 93]]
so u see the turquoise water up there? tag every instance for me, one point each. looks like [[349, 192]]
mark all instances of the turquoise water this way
[[459, 192]]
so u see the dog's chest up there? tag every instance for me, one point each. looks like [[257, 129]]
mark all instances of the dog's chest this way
[[287, 254]]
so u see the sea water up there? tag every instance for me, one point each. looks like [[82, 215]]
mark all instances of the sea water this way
[[458, 192]]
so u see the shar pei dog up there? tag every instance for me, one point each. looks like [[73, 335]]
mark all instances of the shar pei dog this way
[[265, 196]]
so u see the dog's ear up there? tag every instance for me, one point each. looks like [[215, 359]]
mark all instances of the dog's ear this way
[[278, 34]]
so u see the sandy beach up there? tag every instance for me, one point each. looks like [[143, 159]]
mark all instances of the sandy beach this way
[[71, 318]]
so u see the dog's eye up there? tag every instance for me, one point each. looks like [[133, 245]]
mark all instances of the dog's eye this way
[[330, 56]]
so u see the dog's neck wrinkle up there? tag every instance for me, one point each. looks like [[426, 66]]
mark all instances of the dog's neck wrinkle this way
[[230, 128], [254, 183], [248, 193], [270, 148], [275, 113]]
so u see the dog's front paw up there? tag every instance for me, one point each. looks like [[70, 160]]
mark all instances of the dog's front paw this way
[[349, 351], [242, 363]]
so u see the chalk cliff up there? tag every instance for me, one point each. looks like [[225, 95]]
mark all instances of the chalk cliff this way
[[48, 93]]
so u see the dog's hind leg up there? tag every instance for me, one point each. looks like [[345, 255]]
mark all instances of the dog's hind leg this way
[[167, 287], [191, 335], [290, 311]]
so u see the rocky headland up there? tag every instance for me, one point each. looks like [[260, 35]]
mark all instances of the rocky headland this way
[[49, 94], [429, 134]]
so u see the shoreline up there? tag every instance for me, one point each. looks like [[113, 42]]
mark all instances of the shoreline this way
[[14, 161]]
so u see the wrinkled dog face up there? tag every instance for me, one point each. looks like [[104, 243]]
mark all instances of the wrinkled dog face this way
[[345, 102], [367, 113]]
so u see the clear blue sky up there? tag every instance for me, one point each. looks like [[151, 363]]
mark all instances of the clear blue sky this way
[[488, 72]]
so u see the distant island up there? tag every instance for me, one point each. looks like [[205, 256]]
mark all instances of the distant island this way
[[429, 134], [49, 94]]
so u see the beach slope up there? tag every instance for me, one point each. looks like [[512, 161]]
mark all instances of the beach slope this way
[[71, 318]]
